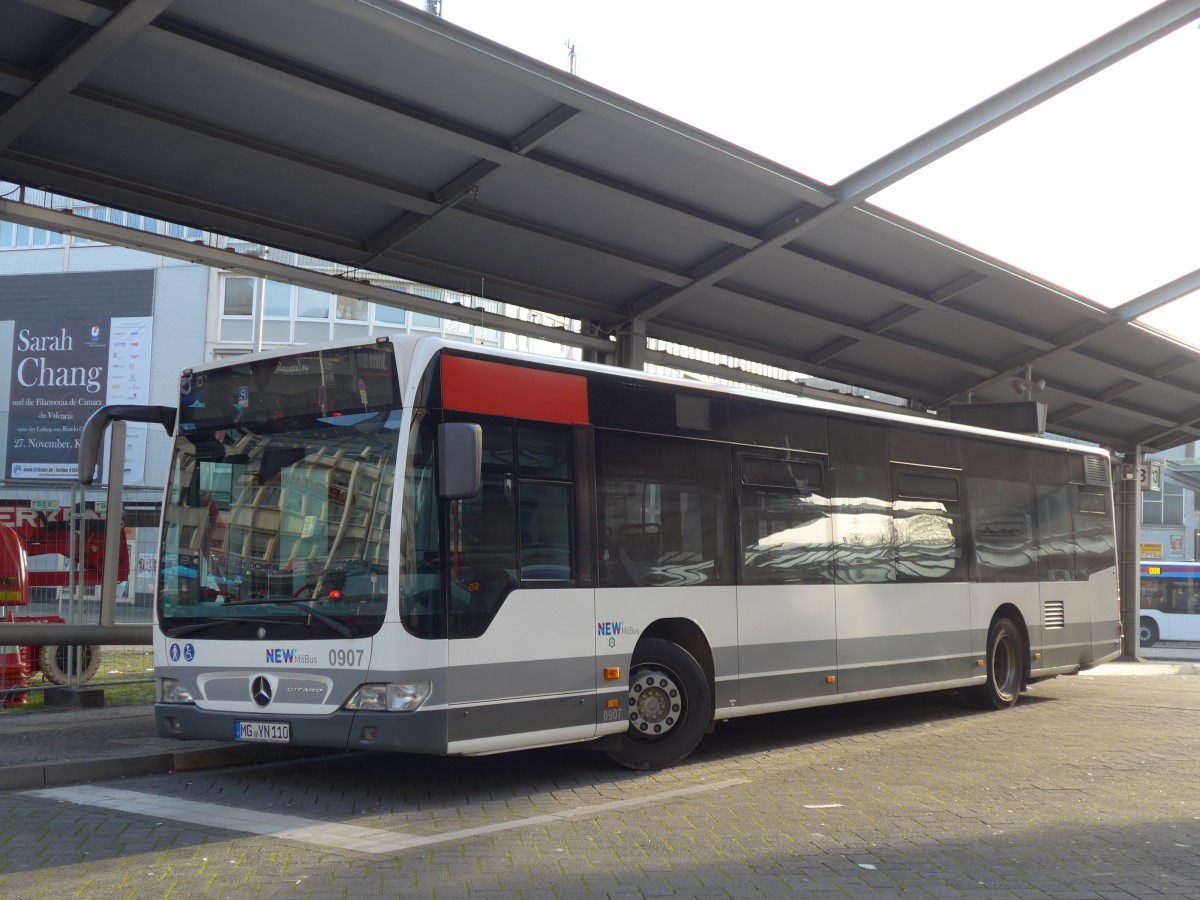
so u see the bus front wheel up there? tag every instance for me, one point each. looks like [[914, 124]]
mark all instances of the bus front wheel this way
[[1005, 667], [1147, 632], [668, 707]]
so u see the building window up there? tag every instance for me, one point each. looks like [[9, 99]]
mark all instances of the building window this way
[[1164, 508], [312, 304], [23, 237], [351, 309], [421, 320], [134, 220], [238, 299], [279, 301], [389, 315]]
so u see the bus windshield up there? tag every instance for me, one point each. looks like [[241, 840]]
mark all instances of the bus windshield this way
[[280, 519]]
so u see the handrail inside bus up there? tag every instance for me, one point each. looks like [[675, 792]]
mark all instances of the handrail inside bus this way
[[92, 438]]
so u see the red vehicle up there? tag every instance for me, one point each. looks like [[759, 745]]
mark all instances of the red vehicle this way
[[29, 533], [14, 591]]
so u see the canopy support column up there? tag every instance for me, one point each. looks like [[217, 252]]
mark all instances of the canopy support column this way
[[1127, 494]]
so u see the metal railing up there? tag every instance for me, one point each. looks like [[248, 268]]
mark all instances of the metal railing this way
[[55, 637]]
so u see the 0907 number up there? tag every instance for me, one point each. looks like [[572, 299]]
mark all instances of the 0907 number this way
[[345, 657]]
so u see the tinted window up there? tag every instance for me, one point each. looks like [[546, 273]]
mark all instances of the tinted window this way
[[517, 529], [1002, 512], [928, 525], [862, 503], [663, 508], [786, 528], [1055, 516]]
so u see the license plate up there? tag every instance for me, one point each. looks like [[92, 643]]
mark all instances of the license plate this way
[[268, 732]]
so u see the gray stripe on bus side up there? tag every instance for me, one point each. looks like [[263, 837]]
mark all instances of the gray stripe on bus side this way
[[524, 678], [883, 648], [892, 675], [484, 720], [774, 658]]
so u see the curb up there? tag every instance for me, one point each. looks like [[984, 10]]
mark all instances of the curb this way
[[1143, 667], [57, 774]]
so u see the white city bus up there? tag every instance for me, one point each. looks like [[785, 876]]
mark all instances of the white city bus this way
[[1170, 602], [421, 546]]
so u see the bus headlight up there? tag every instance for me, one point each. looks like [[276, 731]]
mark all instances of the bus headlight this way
[[394, 697], [171, 691]]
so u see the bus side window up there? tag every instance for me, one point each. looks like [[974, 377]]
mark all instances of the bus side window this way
[[517, 529], [481, 536], [1055, 517], [928, 525], [863, 530], [786, 529], [1003, 544], [662, 505], [546, 486]]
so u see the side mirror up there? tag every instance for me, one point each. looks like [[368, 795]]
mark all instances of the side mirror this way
[[460, 460]]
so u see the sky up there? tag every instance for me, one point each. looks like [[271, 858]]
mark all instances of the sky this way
[[1095, 190]]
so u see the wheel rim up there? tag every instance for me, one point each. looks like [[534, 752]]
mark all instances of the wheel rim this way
[[1006, 672], [656, 703], [1144, 634], [83, 659]]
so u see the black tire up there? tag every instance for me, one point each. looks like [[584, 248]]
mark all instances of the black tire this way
[[53, 663], [669, 706], [1147, 632], [1005, 667]]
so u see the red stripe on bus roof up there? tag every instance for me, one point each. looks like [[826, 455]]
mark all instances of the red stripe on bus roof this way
[[496, 389]]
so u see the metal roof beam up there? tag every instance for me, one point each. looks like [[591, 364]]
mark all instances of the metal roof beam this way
[[849, 334], [447, 196], [1024, 95], [77, 66], [270, 227], [722, 343], [228, 260], [1020, 97], [78, 10], [1159, 297], [412, 197], [913, 302], [467, 182], [620, 258], [1134, 378], [1083, 402]]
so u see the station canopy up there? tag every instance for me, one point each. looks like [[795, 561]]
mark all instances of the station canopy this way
[[374, 135]]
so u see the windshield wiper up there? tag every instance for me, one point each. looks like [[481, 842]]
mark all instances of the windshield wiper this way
[[183, 630], [283, 599]]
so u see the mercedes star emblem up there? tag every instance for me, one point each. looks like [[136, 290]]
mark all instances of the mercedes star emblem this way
[[260, 690]]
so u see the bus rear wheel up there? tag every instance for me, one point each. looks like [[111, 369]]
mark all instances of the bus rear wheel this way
[[668, 707], [1005, 667], [1147, 632]]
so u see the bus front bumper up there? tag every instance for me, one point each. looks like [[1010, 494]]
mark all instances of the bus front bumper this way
[[416, 732]]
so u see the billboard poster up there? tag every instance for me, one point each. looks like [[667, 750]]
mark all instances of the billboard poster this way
[[129, 384], [62, 372]]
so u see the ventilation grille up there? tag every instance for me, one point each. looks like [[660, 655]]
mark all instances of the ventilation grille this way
[[1095, 470], [1054, 614]]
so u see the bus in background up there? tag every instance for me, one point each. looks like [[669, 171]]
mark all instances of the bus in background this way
[[1170, 602], [419, 546]]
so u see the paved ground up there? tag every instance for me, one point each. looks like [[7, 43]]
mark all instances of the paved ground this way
[[1090, 787]]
